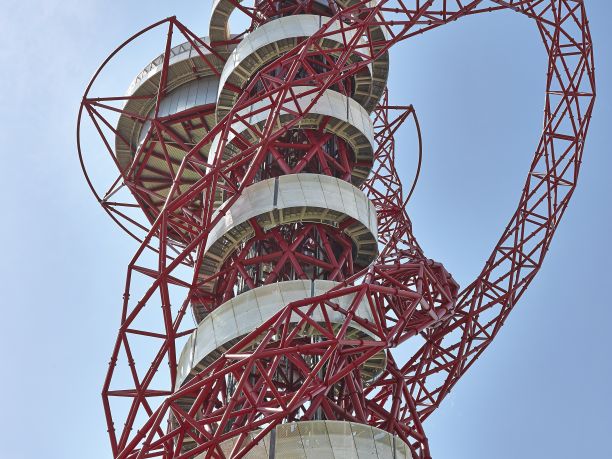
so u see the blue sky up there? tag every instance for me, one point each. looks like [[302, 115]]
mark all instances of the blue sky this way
[[541, 390]]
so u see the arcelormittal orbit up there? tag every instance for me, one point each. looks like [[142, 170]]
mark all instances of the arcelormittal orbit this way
[[256, 168]]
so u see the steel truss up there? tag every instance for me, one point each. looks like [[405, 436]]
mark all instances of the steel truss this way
[[407, 293]]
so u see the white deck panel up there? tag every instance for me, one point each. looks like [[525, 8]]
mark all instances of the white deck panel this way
[[296, 190], [190, 83], [196, 93], [249, 310], [222, 9], [331, 103], [219, 31], [178, 53], [288, 27], [325, 440]]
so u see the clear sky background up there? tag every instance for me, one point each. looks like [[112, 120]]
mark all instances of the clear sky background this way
[[542, 390]]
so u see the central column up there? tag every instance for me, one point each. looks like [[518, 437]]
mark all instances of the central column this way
[[299, 229]]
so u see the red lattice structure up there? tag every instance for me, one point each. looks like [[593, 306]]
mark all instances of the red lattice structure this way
[[215, 182]]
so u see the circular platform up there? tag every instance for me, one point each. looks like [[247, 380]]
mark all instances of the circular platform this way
[[275, 38], [338, 114], [219, 31], [324, 440], [234, 319], [288, 199], [185, 67]]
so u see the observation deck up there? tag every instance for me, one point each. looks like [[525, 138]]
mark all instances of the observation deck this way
[[325, 440]]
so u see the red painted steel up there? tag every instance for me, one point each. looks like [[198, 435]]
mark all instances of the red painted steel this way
[[408, 294]]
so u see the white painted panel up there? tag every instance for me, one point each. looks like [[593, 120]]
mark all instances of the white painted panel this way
[[297, 190], [288, 27], [331, 104], [250, 310], [326, 440]]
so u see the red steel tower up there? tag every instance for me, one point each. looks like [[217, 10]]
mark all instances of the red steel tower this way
[[257, 172]]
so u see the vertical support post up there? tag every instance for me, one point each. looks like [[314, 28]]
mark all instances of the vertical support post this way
[[272, 454]]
